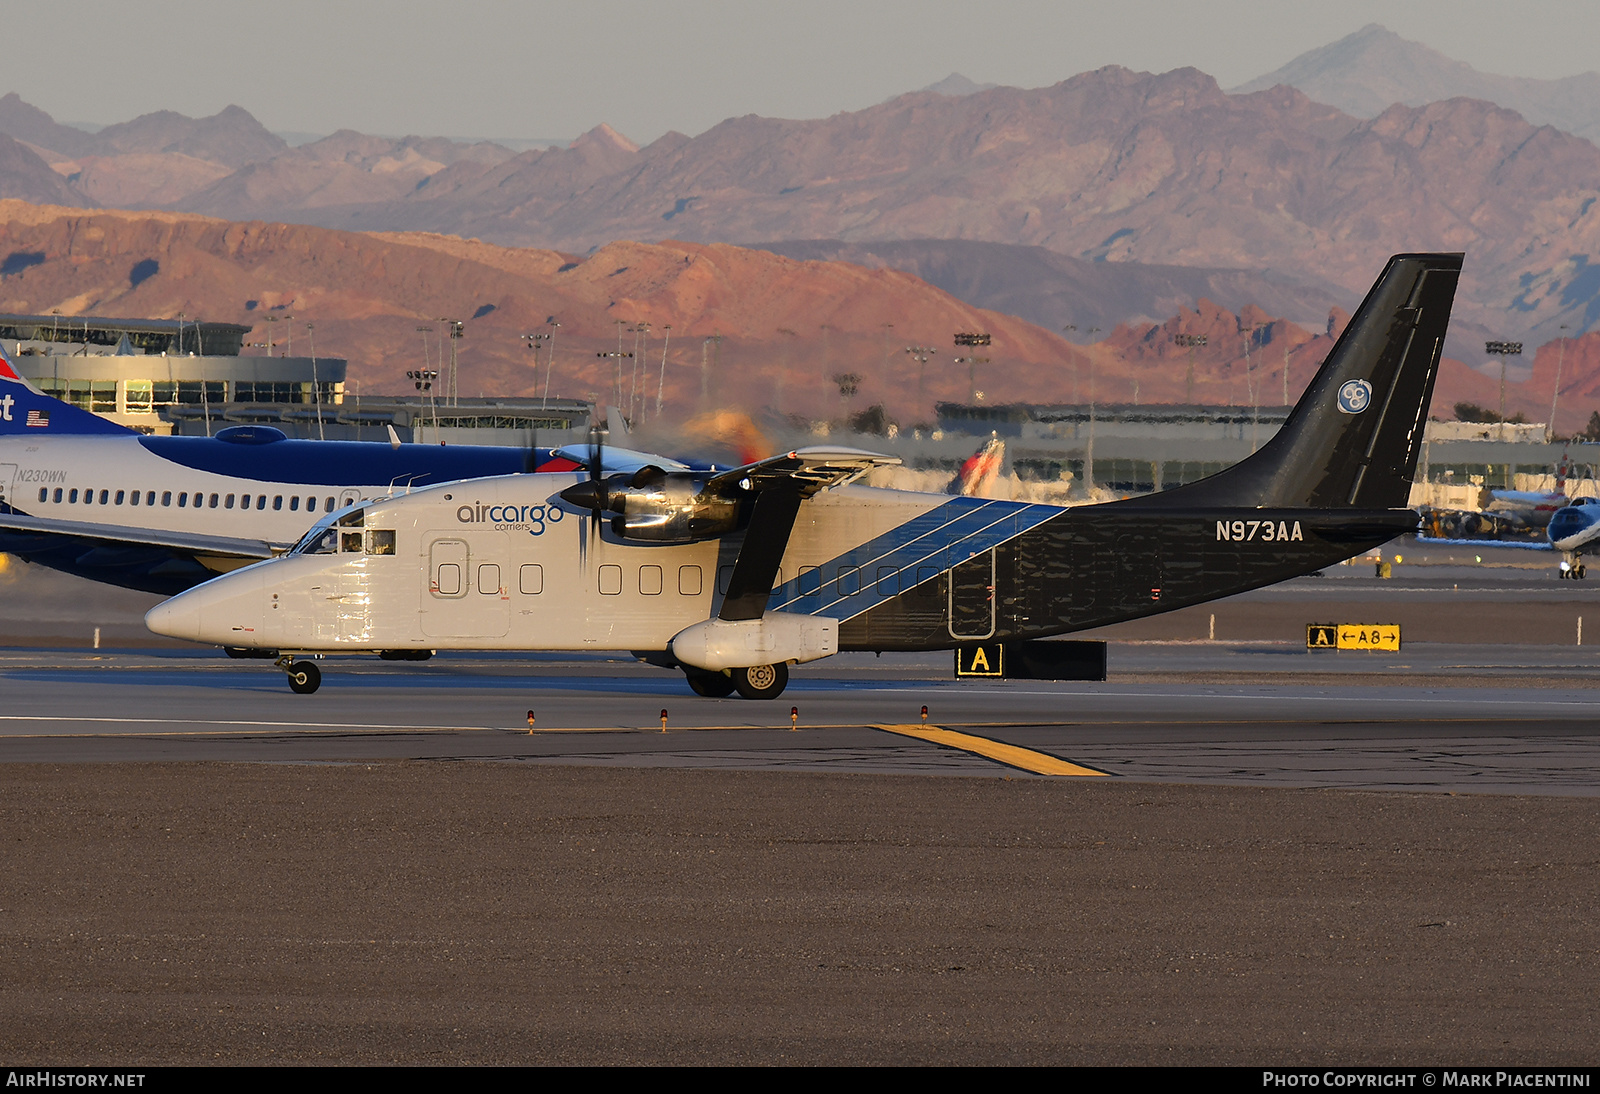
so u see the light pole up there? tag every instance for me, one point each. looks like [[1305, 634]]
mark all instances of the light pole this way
[[426, 376], [920, 354], [641, 347], [550, 361], [316, 388], [1503, 350], [456, 329], [661, 384], [969, 339], [1555, 393], [1249, 381], [1189, 341]]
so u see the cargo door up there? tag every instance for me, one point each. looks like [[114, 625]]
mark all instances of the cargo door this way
[[972, 599]]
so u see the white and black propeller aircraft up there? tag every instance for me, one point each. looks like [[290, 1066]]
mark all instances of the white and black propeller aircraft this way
[[82, 494], [733, 576]]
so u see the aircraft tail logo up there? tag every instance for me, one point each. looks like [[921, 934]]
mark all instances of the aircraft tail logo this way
[[25, 409]]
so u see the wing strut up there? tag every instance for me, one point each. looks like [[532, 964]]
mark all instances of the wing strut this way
[[765, 540]]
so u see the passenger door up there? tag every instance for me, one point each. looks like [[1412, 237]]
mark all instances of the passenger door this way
[[466, 595]]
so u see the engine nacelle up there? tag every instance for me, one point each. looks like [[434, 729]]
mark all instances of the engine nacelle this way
[[666, 516], [775, 638]]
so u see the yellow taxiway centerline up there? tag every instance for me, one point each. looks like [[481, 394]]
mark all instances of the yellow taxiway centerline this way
[[1027, 759]]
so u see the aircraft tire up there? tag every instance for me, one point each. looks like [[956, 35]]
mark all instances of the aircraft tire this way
[[762, 681], [711, 685], [1580, 571], [304, 677]]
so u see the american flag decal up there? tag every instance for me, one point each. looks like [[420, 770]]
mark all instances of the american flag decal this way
[[39, 419]]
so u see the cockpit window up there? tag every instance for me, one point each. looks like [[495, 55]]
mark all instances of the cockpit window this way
[[350, 542], [380, 542], [353, 519], [318, 542]]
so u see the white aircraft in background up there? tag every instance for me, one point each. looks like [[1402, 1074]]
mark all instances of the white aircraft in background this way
[[82, 494], [1571, 530], [732, 576]]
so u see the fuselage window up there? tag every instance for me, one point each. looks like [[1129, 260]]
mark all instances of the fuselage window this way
[[150, 498], [610, 580], [381, 542], [311, 505], [488, 579], [294, 504], [261, 501], [44, 492], [88, 497], [183, 498], [120, 495], [277, 502], [58, 493], [689, 580], [133, 498], [227, 502], [212, 504], [329, 507], [166, 497], [650, 580], [530, 579], [72, 497], [449, 580]]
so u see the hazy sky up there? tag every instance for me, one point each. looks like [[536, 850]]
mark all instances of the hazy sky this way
[[540, 69]]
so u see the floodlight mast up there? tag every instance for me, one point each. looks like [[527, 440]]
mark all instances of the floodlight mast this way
[[1503, 350]]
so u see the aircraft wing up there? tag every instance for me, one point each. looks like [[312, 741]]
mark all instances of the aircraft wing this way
[[614, 460], [808, 470], [780, 483], [99, 534]]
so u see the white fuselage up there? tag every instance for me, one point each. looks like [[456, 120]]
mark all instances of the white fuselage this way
[[116, 481], [501, 563]]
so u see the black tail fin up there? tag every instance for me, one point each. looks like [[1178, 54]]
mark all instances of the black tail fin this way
[[1353, 439]]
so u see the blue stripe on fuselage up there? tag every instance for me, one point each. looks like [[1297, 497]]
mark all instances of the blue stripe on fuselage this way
[[339, 463], [947, 536]]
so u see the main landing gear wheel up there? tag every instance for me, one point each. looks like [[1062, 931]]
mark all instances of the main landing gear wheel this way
[[712, 685], [762, 681], [304, 677]]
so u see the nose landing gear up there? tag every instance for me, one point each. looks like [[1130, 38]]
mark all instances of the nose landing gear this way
[[304, 676]]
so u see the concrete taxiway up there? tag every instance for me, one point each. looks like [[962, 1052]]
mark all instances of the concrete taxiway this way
[[1232, 851], [1435, 717]]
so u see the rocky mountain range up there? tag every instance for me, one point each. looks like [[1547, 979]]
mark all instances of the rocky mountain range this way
[[1111, 198], [1365, 73], [710, 324]]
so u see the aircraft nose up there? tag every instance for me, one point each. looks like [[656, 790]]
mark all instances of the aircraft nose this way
[[175, 618]]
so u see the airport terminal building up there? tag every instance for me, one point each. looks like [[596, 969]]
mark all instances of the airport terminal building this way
[[173, 376]]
